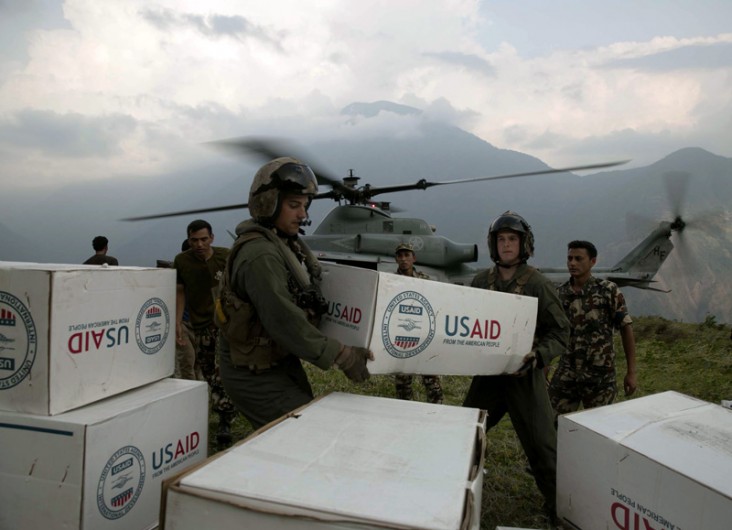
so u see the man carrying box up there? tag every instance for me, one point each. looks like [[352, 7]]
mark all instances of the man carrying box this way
[[270, 302], [405, 258], [523, 394]]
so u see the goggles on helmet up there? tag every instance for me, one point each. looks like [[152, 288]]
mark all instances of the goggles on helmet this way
[[297, 178]]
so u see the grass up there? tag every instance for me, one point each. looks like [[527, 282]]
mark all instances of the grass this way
[[694, 359]]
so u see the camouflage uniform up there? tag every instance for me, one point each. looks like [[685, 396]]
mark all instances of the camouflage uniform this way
[[403, 382], [198, 278], [586, 372]]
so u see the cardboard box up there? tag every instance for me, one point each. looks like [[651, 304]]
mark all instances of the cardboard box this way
[[656, 462], [419, 326], [101, 466], [343, 461], [72, 334]]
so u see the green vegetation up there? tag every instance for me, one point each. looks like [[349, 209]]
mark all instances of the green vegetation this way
[[694, 359]]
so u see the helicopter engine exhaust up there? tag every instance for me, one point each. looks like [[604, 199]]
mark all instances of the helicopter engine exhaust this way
[[434, 251]]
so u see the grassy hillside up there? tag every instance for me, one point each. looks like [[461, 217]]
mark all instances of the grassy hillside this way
[[694, 359]]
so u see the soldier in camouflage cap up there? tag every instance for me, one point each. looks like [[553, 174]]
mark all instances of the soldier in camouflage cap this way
[[405, 259], [595, 308]]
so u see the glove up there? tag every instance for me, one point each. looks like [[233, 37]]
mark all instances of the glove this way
[[529, 363], [352, 360]]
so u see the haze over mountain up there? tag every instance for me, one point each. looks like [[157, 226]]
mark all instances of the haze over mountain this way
[[57, 225]]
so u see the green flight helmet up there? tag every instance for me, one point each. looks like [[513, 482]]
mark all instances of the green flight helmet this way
[[511, 221], [276, 178]]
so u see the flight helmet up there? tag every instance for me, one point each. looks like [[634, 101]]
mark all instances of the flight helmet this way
[[511, 221], [275, 179]]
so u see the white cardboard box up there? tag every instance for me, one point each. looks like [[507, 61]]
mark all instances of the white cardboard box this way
[[71, 334], [419, 326], [342, 461], [101, 466], [657, 462]]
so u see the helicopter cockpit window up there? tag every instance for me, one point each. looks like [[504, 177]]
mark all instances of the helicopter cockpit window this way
[[389, 226]]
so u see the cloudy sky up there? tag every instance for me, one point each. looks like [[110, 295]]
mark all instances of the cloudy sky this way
[[93, 89]]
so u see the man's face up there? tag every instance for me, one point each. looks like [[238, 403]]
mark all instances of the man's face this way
[[579, 263], [405, 260], [292, 213], [200, 242], [508, 243]]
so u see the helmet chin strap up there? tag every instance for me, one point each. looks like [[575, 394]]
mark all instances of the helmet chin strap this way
[[305, 222]]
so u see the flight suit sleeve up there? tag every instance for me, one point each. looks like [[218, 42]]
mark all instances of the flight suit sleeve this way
[[263, 273], [552, 325]]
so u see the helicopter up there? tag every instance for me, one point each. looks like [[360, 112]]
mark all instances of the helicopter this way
[[362, 232]]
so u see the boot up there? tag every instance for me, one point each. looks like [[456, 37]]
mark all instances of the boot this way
[[223, 433]]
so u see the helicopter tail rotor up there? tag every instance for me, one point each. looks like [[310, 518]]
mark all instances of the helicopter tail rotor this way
[[677, 186]]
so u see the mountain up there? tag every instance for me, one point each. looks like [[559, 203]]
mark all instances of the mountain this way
[[615, 209]]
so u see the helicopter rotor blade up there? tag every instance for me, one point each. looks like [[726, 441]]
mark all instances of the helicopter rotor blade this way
[[269, 149], [187, 212], [677, 183], [540, 172], [326, 195], [424, 184]]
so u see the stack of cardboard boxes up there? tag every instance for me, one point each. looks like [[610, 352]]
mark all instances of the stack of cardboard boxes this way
[[90, 423]]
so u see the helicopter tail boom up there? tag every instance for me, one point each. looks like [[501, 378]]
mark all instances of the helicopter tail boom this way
[[646, 258]]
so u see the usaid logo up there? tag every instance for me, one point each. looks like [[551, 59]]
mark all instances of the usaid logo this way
[[18, 341], [121, 482], [152, 326], [408, 325]]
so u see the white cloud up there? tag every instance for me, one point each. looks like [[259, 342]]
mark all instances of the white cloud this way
[[186, 72]]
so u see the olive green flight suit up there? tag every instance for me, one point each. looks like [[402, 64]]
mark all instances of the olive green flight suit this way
[[260, 275], [525, 398]]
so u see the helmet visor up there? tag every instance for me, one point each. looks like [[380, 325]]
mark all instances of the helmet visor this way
[[297, 178]]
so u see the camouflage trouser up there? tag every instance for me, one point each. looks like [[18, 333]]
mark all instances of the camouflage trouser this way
[[569, 389], [431, 384], [205, 344], [185, 356]]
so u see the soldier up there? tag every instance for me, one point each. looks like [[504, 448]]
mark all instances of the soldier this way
[[595, 308], [198, 270], [270, 302], [523, 394], [100, 244], [405, 258]]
